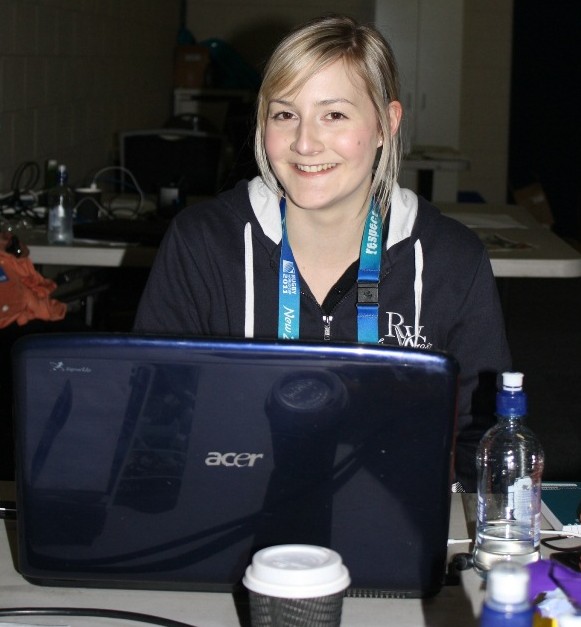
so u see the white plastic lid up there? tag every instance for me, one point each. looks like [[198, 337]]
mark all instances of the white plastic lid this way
[[508, 583], [512, 381], [296, 571]]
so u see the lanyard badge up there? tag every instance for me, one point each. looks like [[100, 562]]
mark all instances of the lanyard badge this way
[[367, 281]]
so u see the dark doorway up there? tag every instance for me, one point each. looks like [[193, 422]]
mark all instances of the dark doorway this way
[[545, 136]]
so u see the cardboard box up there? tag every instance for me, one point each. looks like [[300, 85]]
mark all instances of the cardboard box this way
[[533, 198], [191, 66]]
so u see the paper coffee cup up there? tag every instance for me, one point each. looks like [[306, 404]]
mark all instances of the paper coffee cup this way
[[296, 585]]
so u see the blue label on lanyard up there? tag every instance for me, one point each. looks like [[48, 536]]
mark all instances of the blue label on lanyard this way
[[289, 301]]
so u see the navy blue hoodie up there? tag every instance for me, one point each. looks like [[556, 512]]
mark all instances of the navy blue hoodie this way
[[216, 274]]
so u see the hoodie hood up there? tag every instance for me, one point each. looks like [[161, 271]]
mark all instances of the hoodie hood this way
[[265, 205]]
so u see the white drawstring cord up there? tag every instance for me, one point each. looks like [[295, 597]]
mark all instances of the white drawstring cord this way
[[249, 282]]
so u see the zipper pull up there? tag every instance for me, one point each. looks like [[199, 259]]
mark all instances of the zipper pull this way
[[327, 327]]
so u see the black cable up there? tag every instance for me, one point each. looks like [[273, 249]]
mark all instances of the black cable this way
[[549, 543], [7, 510], [462, 561], [94, 613], [17, 187], [33, 176]]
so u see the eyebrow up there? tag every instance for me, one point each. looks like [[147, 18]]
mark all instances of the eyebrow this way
[[320, 103]]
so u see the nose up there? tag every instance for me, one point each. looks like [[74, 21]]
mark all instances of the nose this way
[[307, 140]]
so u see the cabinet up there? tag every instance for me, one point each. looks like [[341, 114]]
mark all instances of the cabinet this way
[[426, 36], [216, 105], [232, 113]]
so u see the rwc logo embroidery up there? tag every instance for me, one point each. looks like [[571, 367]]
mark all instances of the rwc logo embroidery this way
[[404, 333], [239, 460]]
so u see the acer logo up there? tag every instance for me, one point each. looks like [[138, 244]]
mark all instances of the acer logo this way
[[240, 460]]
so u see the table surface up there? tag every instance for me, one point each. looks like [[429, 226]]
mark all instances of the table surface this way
[[521, 246], [541, 254], [454, 605], [87, 253], [436, 162]]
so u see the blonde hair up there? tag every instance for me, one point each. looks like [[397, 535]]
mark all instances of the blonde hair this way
[[310, 48]]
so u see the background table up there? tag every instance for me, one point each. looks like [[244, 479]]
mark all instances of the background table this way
[[96, 254], [547, 256]]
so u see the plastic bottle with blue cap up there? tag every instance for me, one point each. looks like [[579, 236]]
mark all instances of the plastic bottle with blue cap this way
[[61, 202], [509, 462]]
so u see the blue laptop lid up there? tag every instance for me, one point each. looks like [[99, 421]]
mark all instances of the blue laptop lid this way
[[165, 463]]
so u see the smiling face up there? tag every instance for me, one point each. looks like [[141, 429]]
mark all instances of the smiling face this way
[[321, 141]]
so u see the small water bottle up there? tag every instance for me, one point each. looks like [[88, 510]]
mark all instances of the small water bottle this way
[[60, 202], [506, 603], [509, 462]]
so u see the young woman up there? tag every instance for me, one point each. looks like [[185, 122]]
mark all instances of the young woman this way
[[325, 245]]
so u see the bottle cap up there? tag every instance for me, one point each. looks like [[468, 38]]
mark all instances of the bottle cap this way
[[511, 400], [512, 381], [507, 584]]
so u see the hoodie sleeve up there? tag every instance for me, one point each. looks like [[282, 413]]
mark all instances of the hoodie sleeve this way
[[176, 297], [478, 341]]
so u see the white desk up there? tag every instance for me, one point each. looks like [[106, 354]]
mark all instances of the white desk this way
[[454, 605], [548, 255], [83, 253]]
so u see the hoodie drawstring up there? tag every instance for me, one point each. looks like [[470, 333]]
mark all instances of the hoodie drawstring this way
[[249, 282], [418, 286]]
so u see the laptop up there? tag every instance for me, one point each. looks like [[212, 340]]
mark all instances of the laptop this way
[[166, 462]]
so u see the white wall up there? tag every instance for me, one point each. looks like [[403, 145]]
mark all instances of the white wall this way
[[75, 72], [485, 98]]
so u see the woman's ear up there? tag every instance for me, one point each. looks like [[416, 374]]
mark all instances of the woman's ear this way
[[394, 112]]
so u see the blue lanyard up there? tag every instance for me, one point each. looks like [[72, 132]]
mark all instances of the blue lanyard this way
[[289, 289], [289, 300]]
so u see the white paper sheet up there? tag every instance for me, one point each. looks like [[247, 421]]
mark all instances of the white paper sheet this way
[[487, 220]]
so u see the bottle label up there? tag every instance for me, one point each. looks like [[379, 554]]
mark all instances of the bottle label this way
[[520, 499], [537, 529], [55, 217]]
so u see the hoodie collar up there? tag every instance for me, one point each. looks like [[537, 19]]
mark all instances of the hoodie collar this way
[[403, 210]]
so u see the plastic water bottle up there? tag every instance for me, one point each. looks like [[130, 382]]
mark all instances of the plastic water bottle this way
[[60, 201], [510, 462], [506, 603]]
